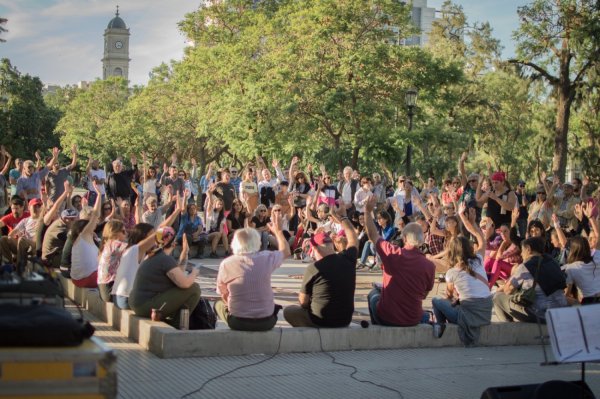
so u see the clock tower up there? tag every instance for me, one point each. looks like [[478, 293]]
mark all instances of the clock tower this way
[[116, 49]]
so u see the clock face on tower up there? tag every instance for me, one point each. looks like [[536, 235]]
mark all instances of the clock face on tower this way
[[118, 44]]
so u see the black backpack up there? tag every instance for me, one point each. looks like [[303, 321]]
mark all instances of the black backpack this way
[[203, 317]]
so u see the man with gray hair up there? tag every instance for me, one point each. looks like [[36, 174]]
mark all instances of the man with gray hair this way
[[119, 181], [244, 280], [407, 276]]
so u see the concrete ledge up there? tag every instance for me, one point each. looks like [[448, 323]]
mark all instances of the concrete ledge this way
[[168, 342]]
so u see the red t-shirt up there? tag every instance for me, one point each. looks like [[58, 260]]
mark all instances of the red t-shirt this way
[[407, 278], [11, 221]]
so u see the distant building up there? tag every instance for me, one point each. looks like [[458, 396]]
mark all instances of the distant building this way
[[83, 84], [116, 49], [49, 89]]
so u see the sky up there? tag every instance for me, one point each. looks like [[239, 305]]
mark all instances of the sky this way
[[61, 41]]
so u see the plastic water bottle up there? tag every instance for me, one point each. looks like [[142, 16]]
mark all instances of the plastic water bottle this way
[[184, 319]]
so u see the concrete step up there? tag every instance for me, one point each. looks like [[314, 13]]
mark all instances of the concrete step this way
[[168, 342]]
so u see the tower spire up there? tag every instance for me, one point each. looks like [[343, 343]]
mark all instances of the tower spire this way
[[117, 13]]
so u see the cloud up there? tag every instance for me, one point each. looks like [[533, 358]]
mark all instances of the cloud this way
[[61, 41]]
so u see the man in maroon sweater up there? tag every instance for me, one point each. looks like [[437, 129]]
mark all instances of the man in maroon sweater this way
[[407, 276]]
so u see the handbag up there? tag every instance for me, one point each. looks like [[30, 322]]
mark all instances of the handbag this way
[[526, 297]]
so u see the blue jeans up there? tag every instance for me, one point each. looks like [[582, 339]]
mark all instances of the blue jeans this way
[[367, 250], [444, 311], [373, 300], [122, 302]]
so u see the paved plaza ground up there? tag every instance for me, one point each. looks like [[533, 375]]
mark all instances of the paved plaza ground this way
[[409, 373]]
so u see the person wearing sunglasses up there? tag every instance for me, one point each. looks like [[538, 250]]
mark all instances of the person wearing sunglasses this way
[[29, 185]]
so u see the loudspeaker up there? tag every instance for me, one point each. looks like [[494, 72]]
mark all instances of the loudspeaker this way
[[547, 390]]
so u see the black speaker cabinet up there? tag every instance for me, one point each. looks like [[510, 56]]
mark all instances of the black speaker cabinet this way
[[546, 390]]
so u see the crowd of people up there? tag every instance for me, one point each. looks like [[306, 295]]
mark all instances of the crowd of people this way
[[130, 232]]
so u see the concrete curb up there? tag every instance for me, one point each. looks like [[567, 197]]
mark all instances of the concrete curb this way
[[168, 342]]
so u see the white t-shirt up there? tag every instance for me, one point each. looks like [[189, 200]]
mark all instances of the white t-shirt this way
[[99, 174], [84, 259], [347, 193], [27, 228], [586, 276], [126, 272], [469, 287]]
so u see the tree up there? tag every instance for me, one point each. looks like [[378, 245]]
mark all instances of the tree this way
[[26, 123], [88, 113], [559, 42]]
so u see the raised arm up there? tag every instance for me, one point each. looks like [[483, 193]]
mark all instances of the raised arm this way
[[6, 157], [587, 211], [55, 153], [177, 274], [469, 223], [53, 211], [339, 217], [480, 196], [372, 232], [562, 239], [73, 163], [179, 209], [277, 231], [89, 228]]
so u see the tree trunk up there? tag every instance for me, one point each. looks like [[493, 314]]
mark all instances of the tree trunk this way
[[355, 152], [561, 130]]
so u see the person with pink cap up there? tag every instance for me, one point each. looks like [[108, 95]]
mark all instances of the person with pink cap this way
[[501, 199]]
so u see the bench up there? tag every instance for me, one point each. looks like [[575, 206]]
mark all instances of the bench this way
[[168, 342]]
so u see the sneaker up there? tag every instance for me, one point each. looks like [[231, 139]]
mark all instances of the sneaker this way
[[375, 268], [360, 265], [213, 255], [438, 330], [441, 278]]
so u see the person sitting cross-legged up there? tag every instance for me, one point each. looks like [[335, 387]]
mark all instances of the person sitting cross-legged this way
[[327, 294], [407, 276], [244, 280]]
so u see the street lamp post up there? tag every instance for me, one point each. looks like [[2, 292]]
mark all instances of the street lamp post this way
[[410, 97]]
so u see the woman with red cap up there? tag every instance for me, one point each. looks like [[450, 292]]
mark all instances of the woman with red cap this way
[[501, 199]]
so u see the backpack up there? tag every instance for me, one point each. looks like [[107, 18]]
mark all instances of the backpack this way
[[203, 317]]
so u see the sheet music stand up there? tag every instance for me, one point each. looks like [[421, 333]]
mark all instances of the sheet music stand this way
[[570, 329]]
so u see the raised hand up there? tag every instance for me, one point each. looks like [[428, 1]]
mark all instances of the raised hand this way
[[55, 152], [38, 156], [464, 155], [462, 208], [371, 203], [275, 225], [587, 209], [165, 168], [194, 163], [74, 149], [275, 163], [96, 186], [543, 176]]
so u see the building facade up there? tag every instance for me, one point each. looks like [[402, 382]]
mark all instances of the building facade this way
[[116, 49]]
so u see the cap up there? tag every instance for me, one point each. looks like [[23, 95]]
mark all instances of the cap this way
[[521, 182], [498, 176], [69, 214], [164, 236], [473, 176], [320, 239], [35, 201], [568, 184]]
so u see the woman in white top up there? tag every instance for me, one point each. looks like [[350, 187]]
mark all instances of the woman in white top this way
[[582, 268], [140, 242], [467, 288], [84, 255]]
